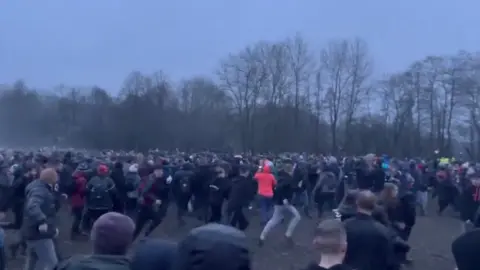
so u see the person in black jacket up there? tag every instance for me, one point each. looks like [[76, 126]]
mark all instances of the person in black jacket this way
[[465, 249], [239, 197], [219, 188], [369, 243], [331, 242], [182, 190], [282, 197]]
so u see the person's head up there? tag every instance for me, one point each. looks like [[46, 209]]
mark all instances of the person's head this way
[[366, 202], [213, 246], [288, 166], [112, 234], [350, 198], [220, 171], [331, 240], [389, 192], [49, 175], [102, 170], [244, 170]]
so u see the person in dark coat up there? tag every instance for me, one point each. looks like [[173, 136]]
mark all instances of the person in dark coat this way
[[154, 254], [331, 242], [182, 190], [112, 235], [241, 194], [213, 246], [219, 188], [369, 243]]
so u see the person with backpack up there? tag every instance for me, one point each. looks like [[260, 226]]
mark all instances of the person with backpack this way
[[100, 193], [325, 190]]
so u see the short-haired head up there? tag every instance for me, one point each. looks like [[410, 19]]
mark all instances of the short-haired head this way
[[49, 175], [366, 201], [330, 237]]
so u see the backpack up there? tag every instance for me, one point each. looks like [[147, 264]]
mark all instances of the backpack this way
[[132, 182], [99, 196], [329, 183]]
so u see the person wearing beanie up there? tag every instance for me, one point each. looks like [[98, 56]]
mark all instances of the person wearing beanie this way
[[213, 246], [100, 195], [39, 227], [111, 237]]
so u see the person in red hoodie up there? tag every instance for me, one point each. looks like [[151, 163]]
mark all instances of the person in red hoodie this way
[[266, 184], [77, 201]]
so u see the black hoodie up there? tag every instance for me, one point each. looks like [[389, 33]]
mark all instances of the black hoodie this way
[[213, 246], [284, 189], [154, 254], [465, 250]]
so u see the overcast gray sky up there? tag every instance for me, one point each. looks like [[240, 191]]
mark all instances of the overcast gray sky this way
[[87, 42]]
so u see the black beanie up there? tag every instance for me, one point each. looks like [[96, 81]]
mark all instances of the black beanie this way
[[213, 246]]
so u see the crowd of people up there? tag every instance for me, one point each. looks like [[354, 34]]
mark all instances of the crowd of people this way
[[115, 196]]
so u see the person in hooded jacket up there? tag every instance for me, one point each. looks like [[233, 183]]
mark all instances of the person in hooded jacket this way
[[213, 246], [266, 185]]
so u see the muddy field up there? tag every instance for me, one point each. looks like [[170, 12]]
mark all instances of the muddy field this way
[[431, 239]]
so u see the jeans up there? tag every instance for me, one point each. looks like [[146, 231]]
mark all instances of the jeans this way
[[41, 255], [266, 208], [422, 200], [278, 216]]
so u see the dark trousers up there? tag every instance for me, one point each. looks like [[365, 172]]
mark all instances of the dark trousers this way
[[149, 213], [216, 212], [91, 215], [238, 219], [181, 200], [77, 213], [201, 207], [322, 199], [17, 210]]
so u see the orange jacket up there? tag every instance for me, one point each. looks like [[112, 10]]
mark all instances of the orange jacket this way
[[266, 182]]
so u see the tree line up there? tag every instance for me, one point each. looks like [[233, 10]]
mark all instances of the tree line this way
[[269, 97]]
